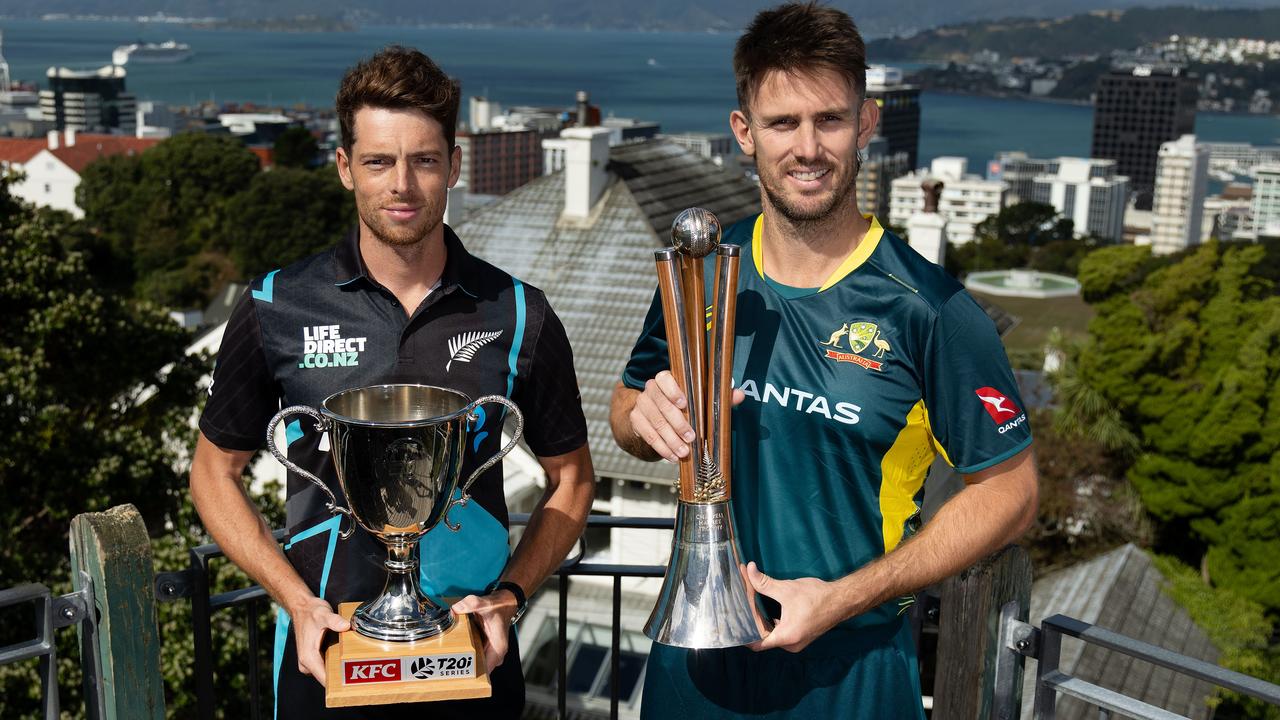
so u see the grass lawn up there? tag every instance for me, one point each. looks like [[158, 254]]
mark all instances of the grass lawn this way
[[1025, 342]]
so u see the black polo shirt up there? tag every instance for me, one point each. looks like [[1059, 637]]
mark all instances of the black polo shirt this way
[[323, 325]]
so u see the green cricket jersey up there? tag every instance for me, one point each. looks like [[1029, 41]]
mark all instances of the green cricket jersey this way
[[852, 390]]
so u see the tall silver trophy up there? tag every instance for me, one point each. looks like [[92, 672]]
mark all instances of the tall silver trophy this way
[[704, 602], [398, 451]]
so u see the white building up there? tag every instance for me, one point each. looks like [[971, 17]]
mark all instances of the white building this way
[[1229, 215], [1182, 176], [1266, 201], [966, 199], [52, 167], [1088, 192]]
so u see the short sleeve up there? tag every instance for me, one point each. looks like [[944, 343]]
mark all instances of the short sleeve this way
[[975, 411], [554, 423], [649, 355], [244, 395]]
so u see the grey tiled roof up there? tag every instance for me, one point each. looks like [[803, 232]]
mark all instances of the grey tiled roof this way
[[1121, 591], [665, 179], [599, 272]]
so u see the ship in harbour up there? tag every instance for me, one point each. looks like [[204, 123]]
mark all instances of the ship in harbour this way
[[170, 51]]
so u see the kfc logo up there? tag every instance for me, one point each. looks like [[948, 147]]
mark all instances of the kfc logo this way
[[999, 407], [371, 671]]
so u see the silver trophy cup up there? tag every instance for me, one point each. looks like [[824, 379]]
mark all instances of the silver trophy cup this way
[[398, 451]]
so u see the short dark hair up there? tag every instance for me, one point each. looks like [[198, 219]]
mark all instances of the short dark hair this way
[[398, 77], [798, 37]]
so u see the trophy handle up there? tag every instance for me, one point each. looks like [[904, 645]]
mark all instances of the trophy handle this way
[[515, 438], [322, 425]]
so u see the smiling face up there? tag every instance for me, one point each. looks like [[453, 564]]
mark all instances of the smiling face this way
[[805, 130], [400, 168]]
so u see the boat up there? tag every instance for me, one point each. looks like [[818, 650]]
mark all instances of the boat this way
[[170, 51]]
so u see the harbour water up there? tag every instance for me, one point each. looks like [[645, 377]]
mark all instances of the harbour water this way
[[682, 80]]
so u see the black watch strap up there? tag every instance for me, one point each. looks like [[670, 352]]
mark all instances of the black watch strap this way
[[522, 603]]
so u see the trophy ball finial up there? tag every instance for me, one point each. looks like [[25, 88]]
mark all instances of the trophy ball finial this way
[[695, 232]]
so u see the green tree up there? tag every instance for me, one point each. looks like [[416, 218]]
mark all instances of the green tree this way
[[295, 148], [162, 208], [285, 215], [98, 394], [1238, 626], [1185, 352], [1024, 235]]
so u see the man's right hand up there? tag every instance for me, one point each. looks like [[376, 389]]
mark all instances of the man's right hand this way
[[658, 418], [311, 619]]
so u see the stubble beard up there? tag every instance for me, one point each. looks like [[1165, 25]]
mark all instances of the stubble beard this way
[[402, 236], [815, 216]]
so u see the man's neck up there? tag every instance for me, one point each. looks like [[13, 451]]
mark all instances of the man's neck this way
[[805, 254], [408, 271]]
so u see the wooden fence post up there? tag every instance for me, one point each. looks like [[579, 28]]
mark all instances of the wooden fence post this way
[[113, 551], [973, 605]]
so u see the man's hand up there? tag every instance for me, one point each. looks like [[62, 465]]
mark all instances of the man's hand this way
[[807, 610], [659, 418], [311, 620], [494, 613]]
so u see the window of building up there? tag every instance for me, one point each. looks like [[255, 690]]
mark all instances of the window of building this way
[[588, 661]]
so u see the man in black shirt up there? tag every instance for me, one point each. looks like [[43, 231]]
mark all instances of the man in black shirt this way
[[399, 300]]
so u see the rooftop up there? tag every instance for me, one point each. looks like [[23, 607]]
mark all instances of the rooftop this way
[[599, 272]]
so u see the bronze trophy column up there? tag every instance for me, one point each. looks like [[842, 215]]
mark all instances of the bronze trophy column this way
[[704, 602]]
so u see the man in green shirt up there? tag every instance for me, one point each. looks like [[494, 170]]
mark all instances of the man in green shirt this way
[[856, 362]]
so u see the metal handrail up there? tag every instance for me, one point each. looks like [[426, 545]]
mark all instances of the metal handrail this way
[[53, 613], [1045, 645], [1019, 640]]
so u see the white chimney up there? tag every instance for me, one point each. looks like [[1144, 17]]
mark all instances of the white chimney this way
[[54, 136], [71, 137], [927, 235], [586, 155]]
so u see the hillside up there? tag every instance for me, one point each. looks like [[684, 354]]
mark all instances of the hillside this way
[[1088, 34], [875, 18]]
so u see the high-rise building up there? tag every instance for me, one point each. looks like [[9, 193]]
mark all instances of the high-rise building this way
[[1086, 191], [1182, 178], [499, 161], [89, 100], [876, 176], [899, 110], [1266, 201], [966, 199], [1134, 112]]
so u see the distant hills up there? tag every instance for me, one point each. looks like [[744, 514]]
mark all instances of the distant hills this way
[[875, 17], [1087, 34]]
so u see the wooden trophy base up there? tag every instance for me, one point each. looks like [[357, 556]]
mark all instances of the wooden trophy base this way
[[363, 671]]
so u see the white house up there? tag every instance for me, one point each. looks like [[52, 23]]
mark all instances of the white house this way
[[52, 167]]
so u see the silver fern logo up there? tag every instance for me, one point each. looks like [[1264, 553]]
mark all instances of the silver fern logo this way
[[463, 347]]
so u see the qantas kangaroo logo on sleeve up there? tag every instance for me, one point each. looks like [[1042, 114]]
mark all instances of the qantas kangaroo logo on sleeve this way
[[998, 405]]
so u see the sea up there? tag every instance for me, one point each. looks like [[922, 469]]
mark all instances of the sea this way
[[684, 81]]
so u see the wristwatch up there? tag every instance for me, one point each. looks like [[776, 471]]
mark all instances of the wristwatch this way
[[522, 603]]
